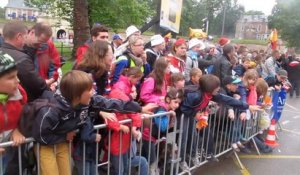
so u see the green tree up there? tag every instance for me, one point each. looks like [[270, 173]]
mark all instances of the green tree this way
[[118, 14], [192, 14], [2, 12], [286, 18], [254, 12], [233, 13]]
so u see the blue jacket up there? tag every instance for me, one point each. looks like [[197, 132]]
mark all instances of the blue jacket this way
[[239, 70], [52, 123], [193, 99]]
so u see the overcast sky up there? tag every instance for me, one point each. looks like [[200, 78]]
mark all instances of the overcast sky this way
[[264, 6], [259, 5]]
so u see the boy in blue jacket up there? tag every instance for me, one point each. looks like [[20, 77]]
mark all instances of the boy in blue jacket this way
[[55, 124]]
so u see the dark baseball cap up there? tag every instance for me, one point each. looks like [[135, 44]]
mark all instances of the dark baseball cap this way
[[6, 63], [282, 73], [231, 80]]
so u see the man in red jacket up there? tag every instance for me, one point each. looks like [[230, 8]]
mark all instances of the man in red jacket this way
[[47, 62]]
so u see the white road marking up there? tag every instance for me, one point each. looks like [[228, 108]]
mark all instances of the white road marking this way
[[297, 116], [291, 107], [285, 122]]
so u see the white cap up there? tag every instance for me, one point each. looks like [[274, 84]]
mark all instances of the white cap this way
[[193, 42], [156, 40], [131, 30]]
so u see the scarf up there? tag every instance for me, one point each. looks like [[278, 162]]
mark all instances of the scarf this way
[[205, 100], [137, 60]]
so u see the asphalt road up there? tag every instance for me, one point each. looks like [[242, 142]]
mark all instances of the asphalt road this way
[[285, 159]]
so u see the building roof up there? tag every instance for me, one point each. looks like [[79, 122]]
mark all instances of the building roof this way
[[19, 4], [253, 18]]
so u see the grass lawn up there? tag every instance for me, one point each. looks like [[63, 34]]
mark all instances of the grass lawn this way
[[67, 66], [64, 49], [250, 41]]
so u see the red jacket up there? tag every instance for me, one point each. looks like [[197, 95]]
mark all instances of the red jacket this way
[[46, 56], [10, 111], [121, 90], [177, 65], [81, 50]]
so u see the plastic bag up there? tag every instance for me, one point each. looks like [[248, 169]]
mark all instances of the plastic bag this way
[[264, 121]]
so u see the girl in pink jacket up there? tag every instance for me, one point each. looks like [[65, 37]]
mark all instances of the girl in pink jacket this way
[[154, 89]]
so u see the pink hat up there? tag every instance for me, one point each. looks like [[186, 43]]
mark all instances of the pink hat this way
[[224, 41]]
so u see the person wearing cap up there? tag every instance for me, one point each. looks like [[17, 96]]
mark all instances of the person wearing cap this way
[[177, 58], [117, 41], [222, 42], [157, 47], [12, 99], [193, 56], [15, 34], [280, 80], [130, 31], [98, 32], [231, 88]]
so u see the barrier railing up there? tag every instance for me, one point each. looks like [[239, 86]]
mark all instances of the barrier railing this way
[[177, 147]]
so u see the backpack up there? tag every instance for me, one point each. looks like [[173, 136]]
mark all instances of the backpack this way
[[29, 113]]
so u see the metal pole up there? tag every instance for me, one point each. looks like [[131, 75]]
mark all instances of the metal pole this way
[[224, 17], [207, 23]]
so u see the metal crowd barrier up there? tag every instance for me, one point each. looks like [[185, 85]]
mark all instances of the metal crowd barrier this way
[[181, 143]]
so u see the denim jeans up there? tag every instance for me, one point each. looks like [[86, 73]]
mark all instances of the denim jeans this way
[[120, 164], [141, 162], [187, 134], [90, 167], [236, 130], [150, 156]]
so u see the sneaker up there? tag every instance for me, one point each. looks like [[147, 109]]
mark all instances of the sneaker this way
[[196, 161], [267, 150], [235, 147], [245, 150], [212, 158], [184, 167], [154, 170]]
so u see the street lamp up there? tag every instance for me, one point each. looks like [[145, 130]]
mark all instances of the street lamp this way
[[205, 24], [224, 17]]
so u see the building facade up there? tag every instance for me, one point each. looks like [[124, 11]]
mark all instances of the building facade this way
[[252, 27], [18, 10]]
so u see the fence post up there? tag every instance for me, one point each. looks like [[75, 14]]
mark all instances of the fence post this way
[[61, 48]]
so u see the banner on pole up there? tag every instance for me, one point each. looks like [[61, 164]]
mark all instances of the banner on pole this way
[[170, 14], [278, 100]]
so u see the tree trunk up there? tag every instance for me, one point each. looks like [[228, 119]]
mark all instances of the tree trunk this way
[[81, 26]]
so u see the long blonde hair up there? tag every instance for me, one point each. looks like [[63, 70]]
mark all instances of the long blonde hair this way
[[250, 74]]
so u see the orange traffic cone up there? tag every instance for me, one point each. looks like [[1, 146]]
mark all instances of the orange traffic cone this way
[[271, 138]]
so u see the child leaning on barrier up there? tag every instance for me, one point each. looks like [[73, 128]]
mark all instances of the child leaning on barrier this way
[[262, 89], [230, 88], [12, 99], [195, 100], [54, 125], [159, 128], [120, 141]]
